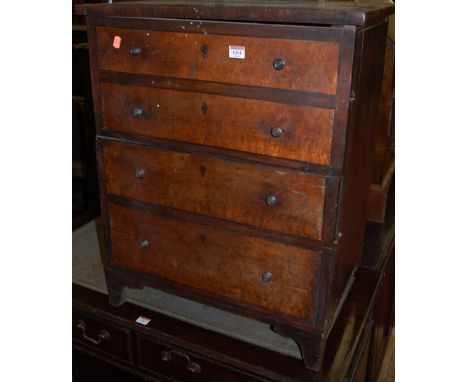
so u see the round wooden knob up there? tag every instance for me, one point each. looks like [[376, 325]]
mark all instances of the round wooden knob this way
[[134, 51], [276, 132], [271, 200], [278, 64], [143, 244], [139, 173], [267, 276]]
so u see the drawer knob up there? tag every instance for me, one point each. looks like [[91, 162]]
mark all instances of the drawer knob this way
[[134, 51], [193, 367], [143, 244], [278, 64], [137, 112], [267, 276], [276, 132], [102, 336], [139, 173], [271, 200]]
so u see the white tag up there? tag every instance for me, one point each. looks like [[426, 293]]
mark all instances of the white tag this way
[[237, 51], [143, 320]]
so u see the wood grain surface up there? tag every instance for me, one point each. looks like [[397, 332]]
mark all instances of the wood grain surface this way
[[309, 65], [220, 121], [223, 189], [222, 262]]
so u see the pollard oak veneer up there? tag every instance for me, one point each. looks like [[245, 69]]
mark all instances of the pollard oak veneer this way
[[235, 144]]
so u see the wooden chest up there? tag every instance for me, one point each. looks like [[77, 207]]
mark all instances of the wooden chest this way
[[235, 144]]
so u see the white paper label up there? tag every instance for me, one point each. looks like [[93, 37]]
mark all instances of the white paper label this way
[[236, 51], [143, 320]]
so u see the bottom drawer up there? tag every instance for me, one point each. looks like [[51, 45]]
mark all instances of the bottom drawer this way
[[279, 277], [181, 365], [101, 336]]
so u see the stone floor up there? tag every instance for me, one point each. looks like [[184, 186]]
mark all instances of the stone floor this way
[[387, 373]]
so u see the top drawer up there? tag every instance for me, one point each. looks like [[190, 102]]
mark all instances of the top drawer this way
[[275, 63]]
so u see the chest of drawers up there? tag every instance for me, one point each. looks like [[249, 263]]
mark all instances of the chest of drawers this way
[[234, 147]]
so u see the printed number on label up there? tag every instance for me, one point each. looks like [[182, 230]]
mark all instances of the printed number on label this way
[[236, 51]]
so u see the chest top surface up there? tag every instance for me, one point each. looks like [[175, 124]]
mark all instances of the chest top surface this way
[[280, 11]]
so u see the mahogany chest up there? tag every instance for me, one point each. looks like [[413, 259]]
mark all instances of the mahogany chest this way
[[234, 149]]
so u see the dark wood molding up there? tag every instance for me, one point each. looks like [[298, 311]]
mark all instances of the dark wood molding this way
[[209, 221], [206, 27], [295, 97], [210, 151], [305, 12]]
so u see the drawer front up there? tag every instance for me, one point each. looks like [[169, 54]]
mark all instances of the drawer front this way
[[308, 65], [220, 262], [281, 200], [101, 336], [176, 363], [261, 127]]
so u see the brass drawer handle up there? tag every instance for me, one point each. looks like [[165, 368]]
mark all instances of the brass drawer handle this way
[[134, 51], [193, 367], [103, 334]]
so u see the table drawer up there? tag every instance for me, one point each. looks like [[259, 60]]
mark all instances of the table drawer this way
[[308, 65], [173, 362], [101, 336], [268, 128], [277, 199], [272, 275]]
